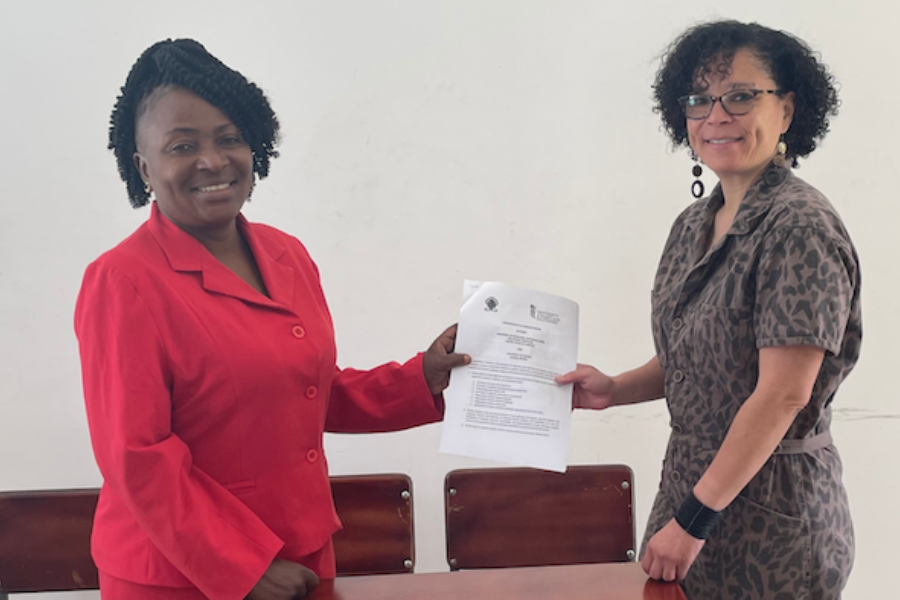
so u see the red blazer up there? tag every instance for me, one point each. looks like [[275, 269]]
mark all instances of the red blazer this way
[[207, 403]]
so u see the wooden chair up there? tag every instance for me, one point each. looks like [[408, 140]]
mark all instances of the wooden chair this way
[[377, 514], [517, 517], [45, 535], [45, 541]]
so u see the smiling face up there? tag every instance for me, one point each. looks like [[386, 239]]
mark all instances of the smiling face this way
[[739, 147], [194, 159]]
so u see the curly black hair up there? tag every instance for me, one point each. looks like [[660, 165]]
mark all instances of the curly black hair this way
[[186, 63], [788, 60]]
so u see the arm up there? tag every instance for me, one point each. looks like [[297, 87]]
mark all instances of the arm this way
[[389, 397], [597, 391], [786, 378], [392, 397]]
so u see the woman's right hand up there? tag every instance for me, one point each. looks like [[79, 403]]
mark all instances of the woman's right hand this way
[[592, 388], [284, 580]]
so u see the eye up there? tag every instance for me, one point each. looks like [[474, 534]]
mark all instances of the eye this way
[[694, 101], [231, 139], [181, 147], [740, 96]]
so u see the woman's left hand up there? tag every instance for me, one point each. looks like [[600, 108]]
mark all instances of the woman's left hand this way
[[440, 359], [670, 553]]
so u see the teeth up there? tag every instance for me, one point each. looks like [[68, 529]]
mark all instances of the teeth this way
[[215, 188], [725, 141]]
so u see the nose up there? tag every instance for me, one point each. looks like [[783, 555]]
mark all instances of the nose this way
[[211, 158], [718, 114]]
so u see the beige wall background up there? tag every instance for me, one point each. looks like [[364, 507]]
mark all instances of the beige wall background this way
[[425, 142]]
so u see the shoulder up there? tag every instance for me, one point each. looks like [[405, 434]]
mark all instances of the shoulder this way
[[803, 228], [111, 284], [276, 237], [695, 210], [689, 223], [136, 253], [274, 234], [799, 205]]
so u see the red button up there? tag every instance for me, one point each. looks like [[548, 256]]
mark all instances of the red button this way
[[312, 391], [299, 332], [312, 456]]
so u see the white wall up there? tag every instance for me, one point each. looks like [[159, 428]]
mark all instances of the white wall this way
[[427, 141]]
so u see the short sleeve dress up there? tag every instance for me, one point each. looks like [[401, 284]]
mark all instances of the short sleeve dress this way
[[786, 273]]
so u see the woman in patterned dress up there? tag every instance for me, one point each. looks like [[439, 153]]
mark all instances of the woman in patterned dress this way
[[756, 321]]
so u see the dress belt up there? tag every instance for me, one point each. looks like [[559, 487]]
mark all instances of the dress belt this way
[[806, 445]]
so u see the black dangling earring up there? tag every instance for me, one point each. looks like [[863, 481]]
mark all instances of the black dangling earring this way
[[697, 188]]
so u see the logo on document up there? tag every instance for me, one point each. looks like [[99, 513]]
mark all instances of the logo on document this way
[[543, 316], [491, 304]]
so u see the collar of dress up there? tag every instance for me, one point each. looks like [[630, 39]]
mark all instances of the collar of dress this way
[[755, 204], [186, 254]]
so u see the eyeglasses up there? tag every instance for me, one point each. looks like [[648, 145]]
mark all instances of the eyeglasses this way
[[735, 103]]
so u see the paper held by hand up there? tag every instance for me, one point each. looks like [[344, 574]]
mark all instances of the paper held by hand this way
[[505, 405]]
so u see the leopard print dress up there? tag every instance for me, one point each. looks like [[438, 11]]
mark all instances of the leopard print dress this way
[[786, 273]]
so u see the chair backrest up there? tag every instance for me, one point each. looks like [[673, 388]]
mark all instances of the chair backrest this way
[[45, 536], [377, 514], [45, 541], [517, 517]]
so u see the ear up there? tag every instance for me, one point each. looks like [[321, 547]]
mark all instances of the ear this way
[[140, 163], [788, 104]]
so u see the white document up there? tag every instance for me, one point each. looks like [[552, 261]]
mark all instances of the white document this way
[[505, 406]]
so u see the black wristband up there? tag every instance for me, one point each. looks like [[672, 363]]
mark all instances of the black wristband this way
[[695, 517]]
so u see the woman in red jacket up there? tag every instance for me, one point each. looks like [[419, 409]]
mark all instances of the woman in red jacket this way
[[208, 357]]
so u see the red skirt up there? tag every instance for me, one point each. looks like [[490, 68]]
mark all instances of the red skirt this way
[[113, 588]]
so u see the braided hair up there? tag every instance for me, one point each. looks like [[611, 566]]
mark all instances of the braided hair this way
[[186, 64], [788, 60]]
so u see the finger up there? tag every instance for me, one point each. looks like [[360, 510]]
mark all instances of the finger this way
[[655, 571], [565, 378], [652, 565], [669, 572], [312, 583], [580, 373], [309, 583], [447, 339], [578, 400], [446, 362], [647, 562]]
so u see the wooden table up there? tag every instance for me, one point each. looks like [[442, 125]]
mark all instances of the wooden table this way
[[572, 582]]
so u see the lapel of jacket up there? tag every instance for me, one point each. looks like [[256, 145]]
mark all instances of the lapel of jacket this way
[[187, 254], [273, 262]]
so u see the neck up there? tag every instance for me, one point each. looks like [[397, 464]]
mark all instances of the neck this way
[[735, 187], [220, 242]]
